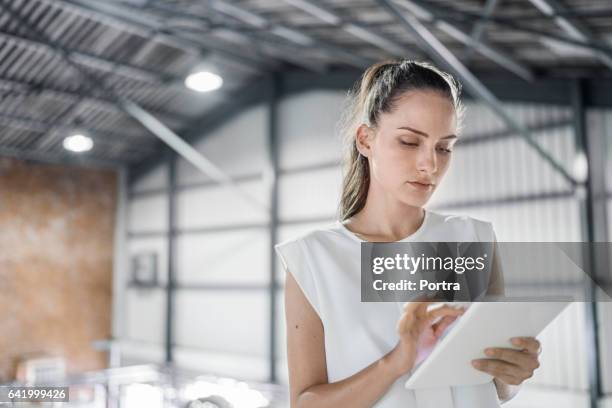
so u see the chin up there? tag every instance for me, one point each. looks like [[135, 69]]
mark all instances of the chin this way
[[415, 201]]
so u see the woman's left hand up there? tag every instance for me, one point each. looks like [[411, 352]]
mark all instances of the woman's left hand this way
[[511, 366]]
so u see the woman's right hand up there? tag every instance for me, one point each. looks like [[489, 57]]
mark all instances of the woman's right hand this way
[[419, 330]]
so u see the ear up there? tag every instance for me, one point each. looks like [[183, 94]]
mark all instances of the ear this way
[[363, 138]]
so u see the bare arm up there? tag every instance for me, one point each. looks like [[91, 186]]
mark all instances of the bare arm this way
[[308, 381]]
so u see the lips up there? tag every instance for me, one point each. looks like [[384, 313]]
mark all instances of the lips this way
[[421, 185]]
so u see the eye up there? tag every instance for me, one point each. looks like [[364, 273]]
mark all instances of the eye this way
[[409, 144], [444, 150]]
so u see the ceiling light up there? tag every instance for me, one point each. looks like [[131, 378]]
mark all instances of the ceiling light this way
[[203, 81], [581, 167], [78, 143]]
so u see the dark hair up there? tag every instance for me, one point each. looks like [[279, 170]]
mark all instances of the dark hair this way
[[377, 91]]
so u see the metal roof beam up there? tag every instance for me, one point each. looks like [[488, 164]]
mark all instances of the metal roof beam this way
[[22, 87], [96, 134], [509, 88], [147, 120], [105, 63], [288, 33], [466, 18], [282, 53], [190, 154], [242, 99], [359, 30], [156, 30], [92, 80], [370, 35], [572, 28], [426, 13], [478, 30], [440, 53], [138, 73]]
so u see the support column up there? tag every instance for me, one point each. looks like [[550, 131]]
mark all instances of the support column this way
[[592, 226], [272, 178], [170, 287]]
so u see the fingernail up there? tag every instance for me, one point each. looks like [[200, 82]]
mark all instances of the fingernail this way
[[516, 341], [489, 352], [476, 363]]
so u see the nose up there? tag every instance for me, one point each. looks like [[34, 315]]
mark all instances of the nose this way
[[426, 160]]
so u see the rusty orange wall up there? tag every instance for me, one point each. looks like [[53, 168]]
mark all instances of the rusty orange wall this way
[[56, 259]]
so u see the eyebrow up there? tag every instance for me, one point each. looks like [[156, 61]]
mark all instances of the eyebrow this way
[[423, 133]]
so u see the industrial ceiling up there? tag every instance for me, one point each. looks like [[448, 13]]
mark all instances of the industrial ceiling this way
[[66, 65]]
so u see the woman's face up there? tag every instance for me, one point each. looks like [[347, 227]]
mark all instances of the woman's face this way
[[410, 149]]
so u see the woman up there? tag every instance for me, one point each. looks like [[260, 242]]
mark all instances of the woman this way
[[402, 122]]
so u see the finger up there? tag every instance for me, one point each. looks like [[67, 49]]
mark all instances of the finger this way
[[500, 375], [410, 316], [498, 368], [524, 360], [416, 300], [445, 310], [420, 298], [440, 326], [415, 308], [530, 344], [503, 371], [414, 305]]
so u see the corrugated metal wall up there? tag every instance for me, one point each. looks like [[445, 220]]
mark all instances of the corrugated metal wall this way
[[600, 124], [222, 243]]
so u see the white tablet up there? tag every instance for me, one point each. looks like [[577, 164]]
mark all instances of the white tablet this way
[[484, 324]]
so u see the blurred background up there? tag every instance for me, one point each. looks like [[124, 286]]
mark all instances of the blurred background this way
[[152, 152]]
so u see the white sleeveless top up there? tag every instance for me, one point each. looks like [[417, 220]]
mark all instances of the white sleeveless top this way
[[325, 262]]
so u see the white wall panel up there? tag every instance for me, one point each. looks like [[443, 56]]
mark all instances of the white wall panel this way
[[605, 342], [145, 315], [155, 178], [138, 352], [599, 122], [223, 321], [564, 351], [507, 167], [544, 220], [307, 129], [309, 194], [282, 371], [605, 326], [281, 338], [238, 147], [148, 213], [481, 120], [232, 257], [288, 231], [534, 397], [216, 205]]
